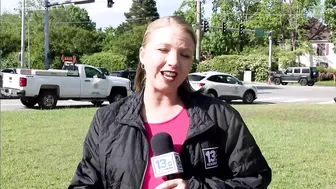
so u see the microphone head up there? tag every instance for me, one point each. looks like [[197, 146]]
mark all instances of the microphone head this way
[[162, 143]]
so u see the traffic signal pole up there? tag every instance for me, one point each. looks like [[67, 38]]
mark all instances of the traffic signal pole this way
[[198, 30]]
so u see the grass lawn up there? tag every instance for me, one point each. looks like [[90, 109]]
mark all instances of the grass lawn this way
[[325, 83], [41, 149]]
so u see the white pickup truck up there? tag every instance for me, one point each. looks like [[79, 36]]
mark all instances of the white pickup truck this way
[[46, 87]]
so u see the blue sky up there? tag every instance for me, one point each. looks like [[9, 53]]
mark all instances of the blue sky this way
[[104, 16]]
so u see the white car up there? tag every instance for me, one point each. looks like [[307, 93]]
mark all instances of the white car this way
[[223, 86]]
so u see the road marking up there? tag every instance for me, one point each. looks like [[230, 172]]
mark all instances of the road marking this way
[[10, 104], [326, 102], [296, 100], [268, 99]]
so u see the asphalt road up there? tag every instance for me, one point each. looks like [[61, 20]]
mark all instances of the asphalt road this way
[[268, 94], [296, 95]]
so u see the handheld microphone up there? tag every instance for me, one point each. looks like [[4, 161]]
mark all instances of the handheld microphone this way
[[166, 162]]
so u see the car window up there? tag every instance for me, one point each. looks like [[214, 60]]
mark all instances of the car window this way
[[305, 70], [91, 73], [195, 77], [231, 80], [289, 70], [214, 78], [297, 70]]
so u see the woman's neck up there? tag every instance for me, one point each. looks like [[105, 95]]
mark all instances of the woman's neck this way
[[159, 107], [155, 99]]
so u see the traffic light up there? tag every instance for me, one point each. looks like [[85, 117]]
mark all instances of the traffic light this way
[[241, 29], [205, 26], [224, 27], [110, 3]]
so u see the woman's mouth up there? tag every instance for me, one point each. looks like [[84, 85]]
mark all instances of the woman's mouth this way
[[169, 75]]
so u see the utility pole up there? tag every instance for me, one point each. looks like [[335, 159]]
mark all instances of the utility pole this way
[[270, 51], [198, 30], [28, 18], [23, 34], [46, 35]]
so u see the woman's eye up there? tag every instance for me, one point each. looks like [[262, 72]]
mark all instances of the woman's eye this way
[[185, 55], [163, 50]]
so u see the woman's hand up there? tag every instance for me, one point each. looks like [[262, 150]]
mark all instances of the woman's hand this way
[[175, 183]]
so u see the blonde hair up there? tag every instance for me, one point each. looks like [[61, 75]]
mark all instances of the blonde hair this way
[[183, 25]]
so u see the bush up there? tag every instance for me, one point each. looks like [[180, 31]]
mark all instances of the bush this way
[[236, 64], [105, 59], [324, 76], [325, 73]]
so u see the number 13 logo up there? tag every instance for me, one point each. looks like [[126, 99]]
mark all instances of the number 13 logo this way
[[161, 163], [210, 157]]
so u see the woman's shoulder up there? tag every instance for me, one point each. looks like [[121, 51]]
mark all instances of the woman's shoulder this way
[[216, 108], [123, 105]]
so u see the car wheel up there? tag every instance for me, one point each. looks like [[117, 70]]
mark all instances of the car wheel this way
[[47, 100], [248, 97], [277, 81], [116, 95], [303, 82], [211, 93]]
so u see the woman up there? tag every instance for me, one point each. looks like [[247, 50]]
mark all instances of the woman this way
[[216, 148]]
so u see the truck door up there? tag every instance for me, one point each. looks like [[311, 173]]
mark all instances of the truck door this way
[[93, 84]]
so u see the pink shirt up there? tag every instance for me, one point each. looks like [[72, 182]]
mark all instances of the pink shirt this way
[[177, 128]]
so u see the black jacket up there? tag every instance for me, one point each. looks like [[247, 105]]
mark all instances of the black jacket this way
[[219, 151]]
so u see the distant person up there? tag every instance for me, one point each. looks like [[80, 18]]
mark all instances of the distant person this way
[[216, 148]]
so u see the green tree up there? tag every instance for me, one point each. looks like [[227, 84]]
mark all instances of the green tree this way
[[10, 35], [141, 13], [330, 18], [187, 10], [127, 44]]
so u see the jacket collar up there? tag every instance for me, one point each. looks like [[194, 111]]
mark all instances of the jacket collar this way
[[130, 112]]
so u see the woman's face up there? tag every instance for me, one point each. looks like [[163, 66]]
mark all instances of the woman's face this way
[[167, 58]]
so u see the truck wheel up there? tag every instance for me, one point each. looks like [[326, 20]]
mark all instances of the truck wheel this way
[[47, 100], [97, 103], [277, 81], [311, 83], [116, 95], [29, 103], [248, 97], [303, 82]]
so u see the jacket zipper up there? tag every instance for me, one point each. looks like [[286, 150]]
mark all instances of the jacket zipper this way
[[144, 173]]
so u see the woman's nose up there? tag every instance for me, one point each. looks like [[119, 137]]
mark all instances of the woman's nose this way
[[172, 58]]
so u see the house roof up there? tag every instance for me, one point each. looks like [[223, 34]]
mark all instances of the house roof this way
[[317, 30]]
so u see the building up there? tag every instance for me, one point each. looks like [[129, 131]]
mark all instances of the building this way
[[319, 35]]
